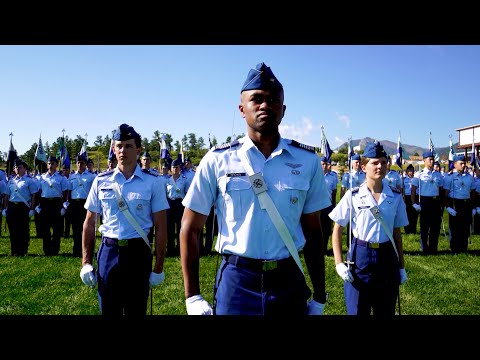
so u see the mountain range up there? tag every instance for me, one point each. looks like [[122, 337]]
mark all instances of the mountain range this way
[[391, 147]]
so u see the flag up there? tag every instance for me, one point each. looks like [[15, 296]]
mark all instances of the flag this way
[[399, 153], [164, 153], [40, 160], [432, 148], [12, 155], [451, 155], [60, 155], [325, 147], [350, 153], [473, 158], [83, 150], [111, 151], [209, 141], [181, 156], [66, 159]]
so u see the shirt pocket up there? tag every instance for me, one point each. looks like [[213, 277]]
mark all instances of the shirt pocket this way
[[238, 197], [293, 196], [139, 203], [107, 199]]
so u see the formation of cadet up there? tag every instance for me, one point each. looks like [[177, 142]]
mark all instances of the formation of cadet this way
[[412, 214], [331, 178]]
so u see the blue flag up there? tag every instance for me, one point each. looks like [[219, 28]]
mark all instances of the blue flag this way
[[451, 155], [325, 147], [399, 153]]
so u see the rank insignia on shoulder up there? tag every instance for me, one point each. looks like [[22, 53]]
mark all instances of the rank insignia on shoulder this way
[[302, 146], [226, 145], [355, 189], [147, 171], [107, 172], [394, 189]]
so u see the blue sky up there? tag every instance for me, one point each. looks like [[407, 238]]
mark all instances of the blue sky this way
[[350, 90]]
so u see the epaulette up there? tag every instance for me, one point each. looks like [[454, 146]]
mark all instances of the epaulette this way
[[106, 172], [394, 189], [302, 146], [226, 145], [147, 171], [355, 189]]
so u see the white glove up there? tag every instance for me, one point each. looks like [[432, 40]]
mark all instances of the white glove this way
[[403, 276], [63, 211], [474, 211], [156, 279], [65, 205], [343, 272], [315, 308], [197, 305], [478, 210], [87, 274], [4, 213], [31, 213], [417, 207], [37, 209], [451, 211]]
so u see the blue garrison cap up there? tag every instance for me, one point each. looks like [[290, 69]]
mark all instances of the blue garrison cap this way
[[374, 150], [111, 157], [261, 78], [81, 158], [90, 161], [176, 162], [187, 159], [52, 158], [324, 159], [19, 162], [459, 158], [428, 154], [410, 167], [125, 132], [436, 163], [146, 154], [355, 157]]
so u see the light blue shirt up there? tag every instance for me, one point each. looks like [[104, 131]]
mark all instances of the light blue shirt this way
[[428, 183], [394, 179], [143, 193], [294, 180], [24, 186], [332, 180], [53, 185], [459, 186], [358, 177], [364, 225], [80, 184], [177, 189], [407, 183]]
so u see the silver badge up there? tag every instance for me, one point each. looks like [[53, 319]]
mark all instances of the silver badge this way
[[139, 207], [295, 172], [121, 204], [294, 200]]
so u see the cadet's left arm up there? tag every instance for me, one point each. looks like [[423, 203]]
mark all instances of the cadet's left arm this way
[[314, 254], [160, 223]]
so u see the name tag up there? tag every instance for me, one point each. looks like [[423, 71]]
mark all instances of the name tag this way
[[236, 174]]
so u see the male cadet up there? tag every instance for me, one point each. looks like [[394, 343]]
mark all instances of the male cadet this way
[[412, 214], [459, 190], [90, 167], [268, 192], [428, 184], [358, 176], [187, 170], [331, 179], [146, 161], [131, 201], [79, 184], [53, 206], [394, 179], [68, 214]]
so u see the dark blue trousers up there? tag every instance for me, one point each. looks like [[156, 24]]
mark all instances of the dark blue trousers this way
[[430, 222], [18, 223]]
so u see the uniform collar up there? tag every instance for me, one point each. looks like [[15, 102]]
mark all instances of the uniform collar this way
[[137, 172], [248, 144]]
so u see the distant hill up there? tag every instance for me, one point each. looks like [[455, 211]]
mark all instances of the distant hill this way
[[391, 147]]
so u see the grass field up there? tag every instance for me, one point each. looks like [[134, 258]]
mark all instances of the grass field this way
[[442, 284]]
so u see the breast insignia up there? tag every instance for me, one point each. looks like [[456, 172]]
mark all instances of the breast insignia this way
[[394, 189]]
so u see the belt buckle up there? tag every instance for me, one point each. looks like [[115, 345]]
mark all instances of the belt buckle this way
[[374, 245], [122, 242], [269, 265]]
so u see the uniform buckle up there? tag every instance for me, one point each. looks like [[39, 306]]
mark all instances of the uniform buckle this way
[[374, 245], [122, 242], [269, 265]]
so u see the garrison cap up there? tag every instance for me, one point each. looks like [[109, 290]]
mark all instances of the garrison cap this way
[[410, 167], [90, 161], [459, 158], [19, 162], [81, 158], [52, 158], [176, 162], [428, 154], [356, 156], [374, 150], [261, 78], [436, 163], [146, 155], [324, 159], [111, 157], [188, 159], [125, 132]]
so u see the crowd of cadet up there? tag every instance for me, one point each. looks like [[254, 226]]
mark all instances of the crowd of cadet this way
[[267, 198]]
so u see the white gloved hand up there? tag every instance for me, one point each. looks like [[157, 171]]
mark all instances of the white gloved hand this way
[[474, 211], [65, 205], [37, 209], [403, 276], [478, 210], [451, 211], [31, 213], [63, 211], [156, 279], [315, 308], [417, 207], [343, 272], [197, 305], [87, 274], [4, 212]]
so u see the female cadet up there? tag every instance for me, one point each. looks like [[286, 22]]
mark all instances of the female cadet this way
[[375, 266]]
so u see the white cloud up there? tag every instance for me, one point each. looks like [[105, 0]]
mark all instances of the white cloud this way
[[344, 119]]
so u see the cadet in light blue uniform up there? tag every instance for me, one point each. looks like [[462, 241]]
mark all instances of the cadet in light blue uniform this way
[[459, 190], [331, 179], [19, 201], [53, 187], [412, 214], [187, 170], [258, 275], [358, 176], [375, 266], [428, 184], [79, 184], [394, 179], [124, 258]]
